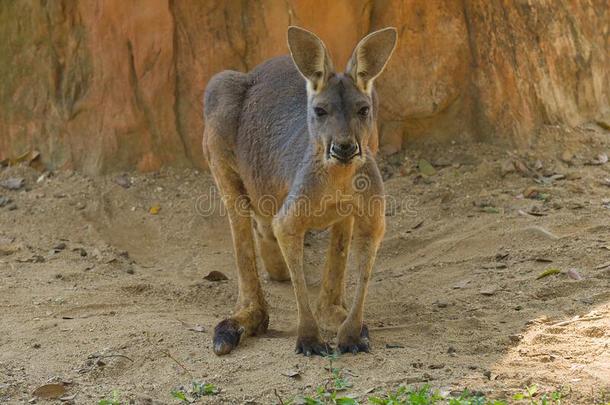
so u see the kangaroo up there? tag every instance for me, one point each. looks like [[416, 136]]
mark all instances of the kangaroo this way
[[291, 147]]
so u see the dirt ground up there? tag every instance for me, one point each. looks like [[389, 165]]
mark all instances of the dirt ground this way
[[98, 293]]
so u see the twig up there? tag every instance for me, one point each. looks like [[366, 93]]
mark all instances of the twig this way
[[169, 355], [591, 318], [390, 327], [104, 356], [278, 396]]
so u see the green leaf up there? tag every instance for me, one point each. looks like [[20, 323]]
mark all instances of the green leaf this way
[[346, 401], [179, 395], [426, 168], [548, 272]]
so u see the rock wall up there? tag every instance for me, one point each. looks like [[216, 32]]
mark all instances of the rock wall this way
[[106, 85]]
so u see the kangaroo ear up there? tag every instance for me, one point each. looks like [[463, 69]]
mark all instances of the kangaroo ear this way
[[370, 57], [310, 57]]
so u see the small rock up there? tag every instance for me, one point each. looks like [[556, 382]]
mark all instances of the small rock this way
[[82, 252], [489, 291], [436, 366], [12, 207], [567, 156], [4, 201], [13, 183], [515, 338], [461, 284], [574, 274], [59, 247], [123, 180], [507, 167], [487, 374], [600, 159]]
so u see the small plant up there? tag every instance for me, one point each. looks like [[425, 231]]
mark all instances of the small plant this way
[[115, 400], [328, 394], [404, 396], [553, 398], [426, 396], [196, 391]]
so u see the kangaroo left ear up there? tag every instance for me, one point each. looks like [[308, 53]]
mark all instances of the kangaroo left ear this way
[[370, 57]]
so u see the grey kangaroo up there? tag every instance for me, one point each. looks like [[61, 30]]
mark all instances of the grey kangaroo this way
[[291, 147]]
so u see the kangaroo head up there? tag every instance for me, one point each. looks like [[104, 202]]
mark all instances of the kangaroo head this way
[[341, 112]]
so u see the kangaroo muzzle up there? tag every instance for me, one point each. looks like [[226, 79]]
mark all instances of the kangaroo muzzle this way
[[344, 152]]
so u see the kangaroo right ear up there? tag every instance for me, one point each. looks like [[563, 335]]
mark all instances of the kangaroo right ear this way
[[310, 57]]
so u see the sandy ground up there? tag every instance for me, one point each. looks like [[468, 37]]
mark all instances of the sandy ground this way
[[100, 294]]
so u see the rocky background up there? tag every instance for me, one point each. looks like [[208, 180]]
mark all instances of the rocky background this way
[[107, 85]]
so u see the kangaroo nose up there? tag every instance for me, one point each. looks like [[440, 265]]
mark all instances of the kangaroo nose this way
[[344, 151]]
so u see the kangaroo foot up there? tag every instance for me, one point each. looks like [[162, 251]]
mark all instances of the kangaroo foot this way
[[227, 334], [354, 343], [309, 345]]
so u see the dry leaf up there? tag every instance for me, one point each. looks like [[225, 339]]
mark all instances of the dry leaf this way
[[292, 373], [216, 276], [49, 391], [418, 225], [26, 157], [460, 284], [9, 249]]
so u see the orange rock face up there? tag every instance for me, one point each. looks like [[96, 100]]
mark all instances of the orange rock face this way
[[113, 85]]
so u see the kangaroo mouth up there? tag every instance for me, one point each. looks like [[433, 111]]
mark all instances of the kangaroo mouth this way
[[344, 157]]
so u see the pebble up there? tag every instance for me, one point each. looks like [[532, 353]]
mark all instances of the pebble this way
[[4, 201], [60, 246], [13, 183], [488, 291], [515, 338], [567, 156], [507, 167]]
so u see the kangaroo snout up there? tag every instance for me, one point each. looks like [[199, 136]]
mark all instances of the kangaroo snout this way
[[344, 151]]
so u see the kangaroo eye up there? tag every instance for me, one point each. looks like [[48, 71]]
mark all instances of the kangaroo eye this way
[[364, 111], [320, 112]]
